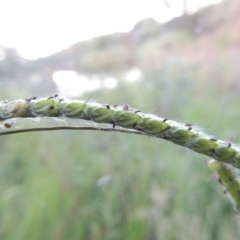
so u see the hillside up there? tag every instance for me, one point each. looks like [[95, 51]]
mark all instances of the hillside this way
[[151, 45], [209, 35]]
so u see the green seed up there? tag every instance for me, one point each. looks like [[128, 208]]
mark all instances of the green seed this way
[[72, 109], [126, 119], [17, 108], [225, 154], [182, 136], [215, 165], [44, 107], [102, 114], [225, 174], [152, 126], [203, 145]]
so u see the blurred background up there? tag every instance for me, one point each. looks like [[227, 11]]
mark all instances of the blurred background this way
[[178, 59]]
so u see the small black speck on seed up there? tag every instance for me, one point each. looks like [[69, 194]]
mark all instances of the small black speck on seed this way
[[229, 145], [30, 99], [189, 129], [213, 151], [107, 106], [165, 119], [166, 137], [113, 123], [213, 139], [137, 111], [56, 95], [188, 124], [60, 100], [220, 181]]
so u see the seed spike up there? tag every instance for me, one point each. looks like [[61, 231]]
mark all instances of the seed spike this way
[[127, 117]]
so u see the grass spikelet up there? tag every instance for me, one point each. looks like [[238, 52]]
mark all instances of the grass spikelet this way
[[152, 126], [183, 136], [44, 107], [225, 153], [102, 114], [203, 145], [71, 109], [17, 108], [127, 119]]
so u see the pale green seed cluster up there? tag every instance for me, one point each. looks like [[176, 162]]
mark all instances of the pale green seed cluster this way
[[228, 179], [127, 117]]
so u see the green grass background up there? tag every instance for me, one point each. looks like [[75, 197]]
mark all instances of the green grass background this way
[[85, 185], [98, 185]]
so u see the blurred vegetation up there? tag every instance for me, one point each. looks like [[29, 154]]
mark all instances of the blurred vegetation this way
[[112, 186]]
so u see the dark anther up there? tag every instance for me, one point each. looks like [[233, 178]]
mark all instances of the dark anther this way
[[166, 137], [165, 119], [188, 124], [229, 145], [107, 106], [56, 95], [52, 107], [220, 181], [113, 123], [60, 100], [137, 111], [213, 139], [190, 128], [213, 151], [30, 99], [8, 125]]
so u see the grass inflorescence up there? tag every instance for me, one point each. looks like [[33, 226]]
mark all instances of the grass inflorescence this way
[[228, 178], [124, 116]]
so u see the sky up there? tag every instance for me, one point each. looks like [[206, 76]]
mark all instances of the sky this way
[[38, 28]]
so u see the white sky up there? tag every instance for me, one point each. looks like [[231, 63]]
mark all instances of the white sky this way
[[38, 28]]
